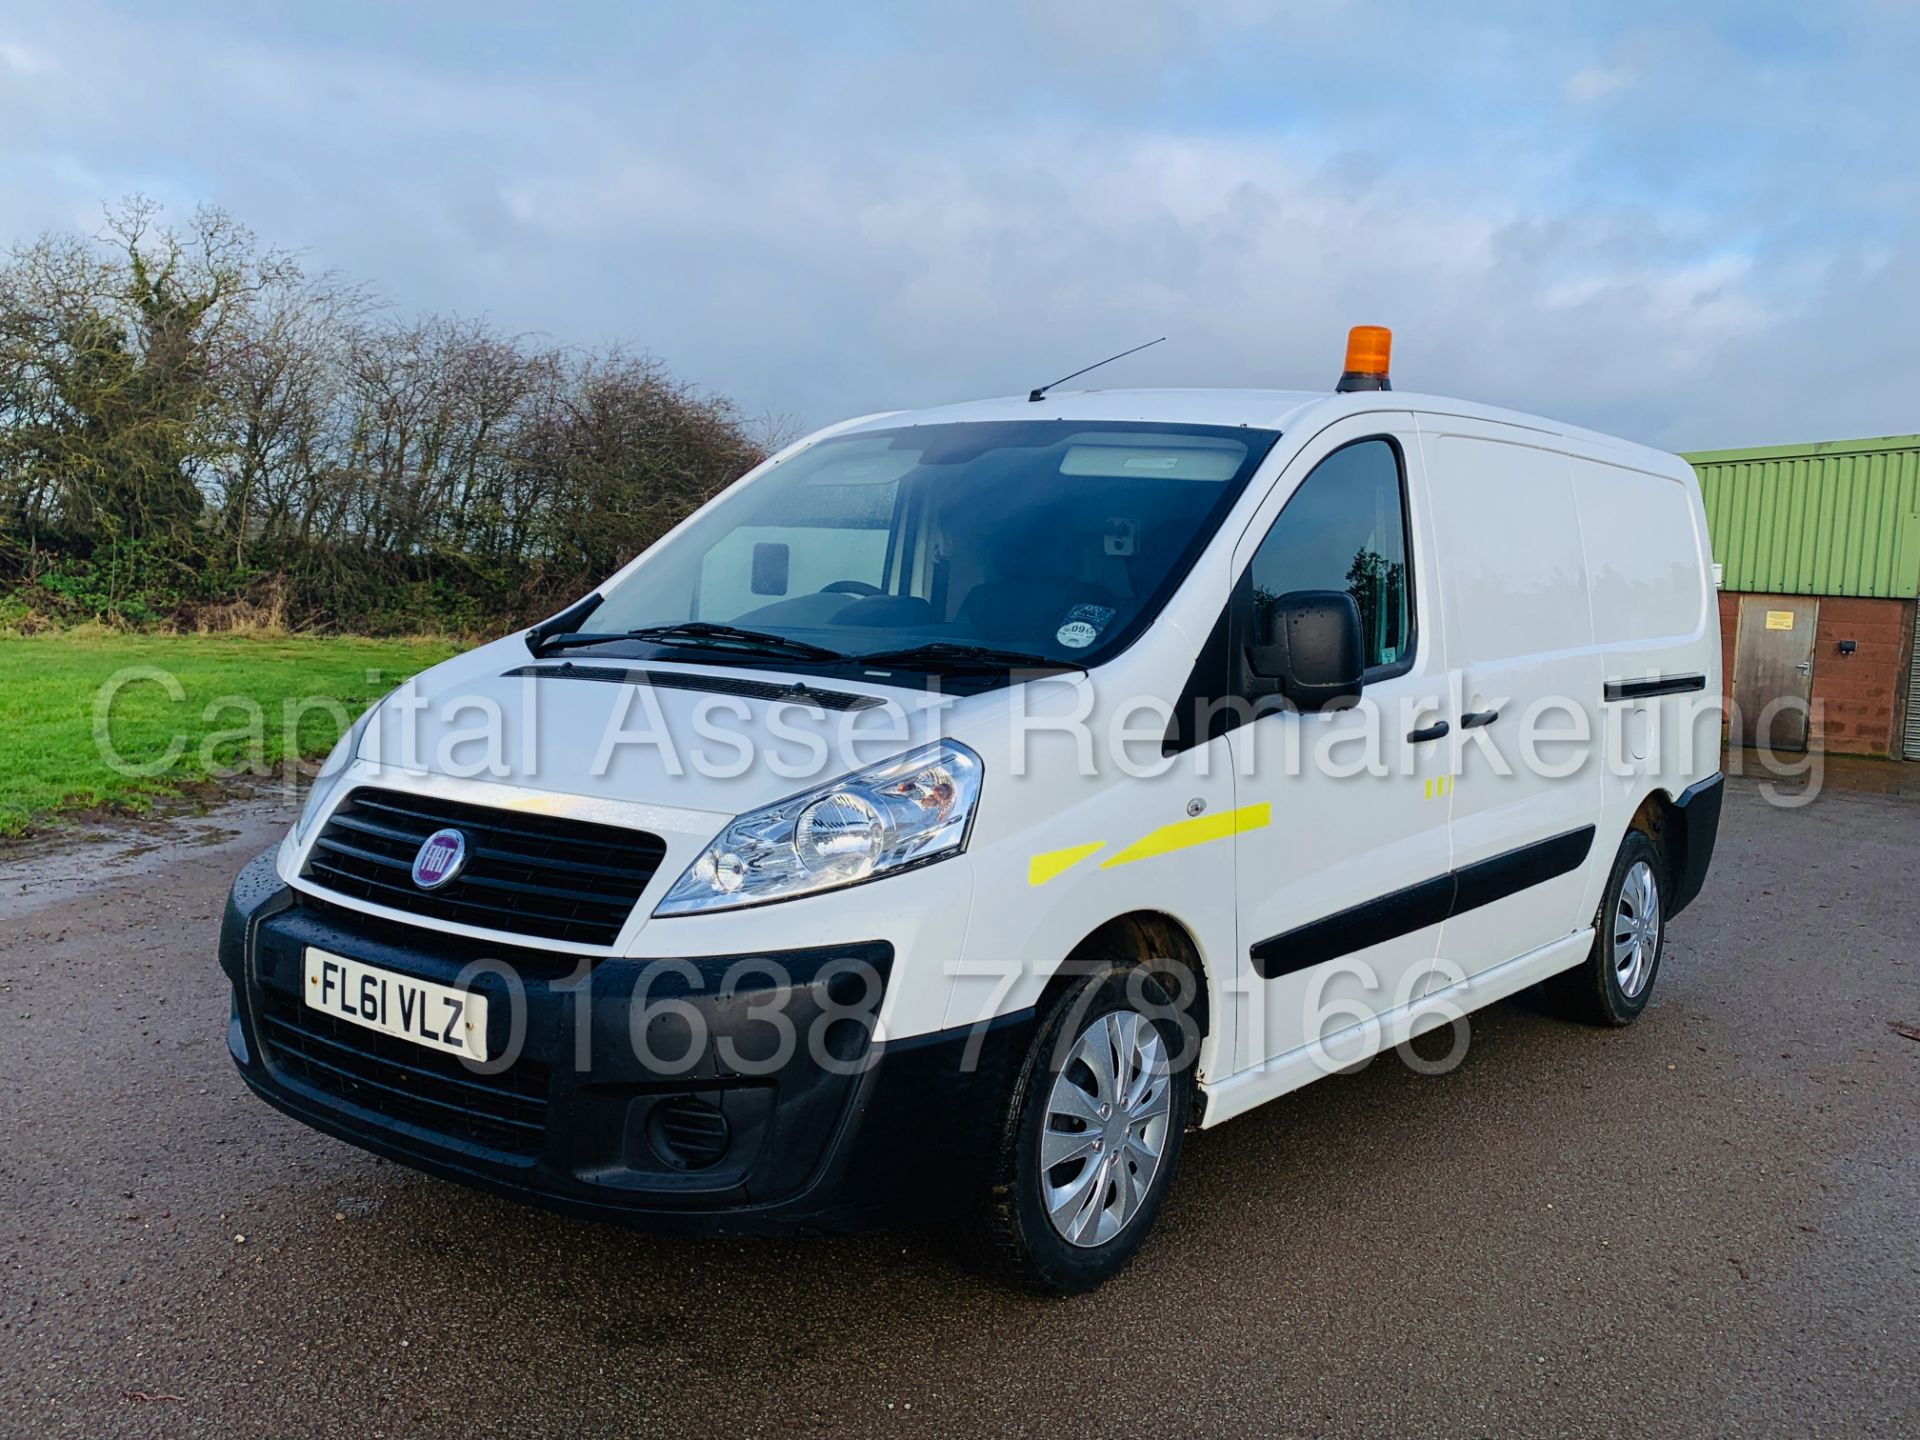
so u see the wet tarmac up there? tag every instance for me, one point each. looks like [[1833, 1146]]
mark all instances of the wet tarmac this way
[[1706, 1224]]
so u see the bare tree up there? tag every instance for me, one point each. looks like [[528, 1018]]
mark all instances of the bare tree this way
[[192, 402], [280, 386]]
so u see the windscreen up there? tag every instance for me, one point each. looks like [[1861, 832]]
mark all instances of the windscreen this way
[[1057, 538]]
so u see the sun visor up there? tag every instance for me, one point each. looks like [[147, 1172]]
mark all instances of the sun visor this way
[[1215, 463]]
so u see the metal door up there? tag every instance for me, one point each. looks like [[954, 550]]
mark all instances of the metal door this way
[[1773, 670]]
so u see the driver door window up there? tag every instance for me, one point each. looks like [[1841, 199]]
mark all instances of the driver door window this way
[[1345, 529]]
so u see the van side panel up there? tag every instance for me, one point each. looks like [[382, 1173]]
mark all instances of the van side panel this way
[[1656, 627], [1643, 561], [1520, 641]]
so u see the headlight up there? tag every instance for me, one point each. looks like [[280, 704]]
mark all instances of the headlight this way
[[338, 760], [903, 812]]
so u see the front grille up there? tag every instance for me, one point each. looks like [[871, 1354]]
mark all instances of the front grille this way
[[506, 1112], [539, 875]]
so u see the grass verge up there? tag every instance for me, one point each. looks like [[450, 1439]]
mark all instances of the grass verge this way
[[116, 721]]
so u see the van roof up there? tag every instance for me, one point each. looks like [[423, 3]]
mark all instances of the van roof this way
[[1281, 410]]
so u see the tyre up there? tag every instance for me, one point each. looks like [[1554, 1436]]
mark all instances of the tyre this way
[[1091, 1136], [1612, 985]]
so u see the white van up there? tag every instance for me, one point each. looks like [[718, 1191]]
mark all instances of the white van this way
[[967, 803]]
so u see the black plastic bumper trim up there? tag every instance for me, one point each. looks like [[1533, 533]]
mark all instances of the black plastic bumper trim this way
[[1696, 829], [906, 1134]]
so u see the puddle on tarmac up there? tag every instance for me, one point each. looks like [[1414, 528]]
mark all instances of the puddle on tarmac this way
[[109, 852]]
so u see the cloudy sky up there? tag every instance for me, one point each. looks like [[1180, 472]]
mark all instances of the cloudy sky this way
[[1693, 224]]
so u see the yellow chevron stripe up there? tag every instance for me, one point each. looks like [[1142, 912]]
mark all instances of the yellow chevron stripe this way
[[1198, 831], [1042, 868]]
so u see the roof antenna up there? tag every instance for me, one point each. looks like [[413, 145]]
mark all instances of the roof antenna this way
[[1034, 397]]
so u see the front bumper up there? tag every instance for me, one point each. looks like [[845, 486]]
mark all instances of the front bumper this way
[[651, 1092]]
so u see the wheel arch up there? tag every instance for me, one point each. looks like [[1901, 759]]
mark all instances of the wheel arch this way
[[1655, 818], [1152, 939], [1684, 829]]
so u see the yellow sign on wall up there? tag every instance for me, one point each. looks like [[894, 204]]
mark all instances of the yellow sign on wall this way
[[1779, 619]]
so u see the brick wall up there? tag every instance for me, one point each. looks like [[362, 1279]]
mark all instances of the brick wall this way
[[1859, 699], [1864, 693]]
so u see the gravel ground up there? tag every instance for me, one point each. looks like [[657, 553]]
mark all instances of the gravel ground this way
[[1706, 1224]]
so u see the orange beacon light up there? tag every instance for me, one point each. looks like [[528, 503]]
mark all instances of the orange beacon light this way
[[1369, 347]]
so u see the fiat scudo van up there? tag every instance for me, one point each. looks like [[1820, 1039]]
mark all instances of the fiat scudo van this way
[[967, 804]]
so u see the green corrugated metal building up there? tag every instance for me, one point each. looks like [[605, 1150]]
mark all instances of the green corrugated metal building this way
[[1838, 522], [1841, 518]]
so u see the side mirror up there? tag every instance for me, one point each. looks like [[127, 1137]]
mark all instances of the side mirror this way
[[1313, 652], [770, 563]]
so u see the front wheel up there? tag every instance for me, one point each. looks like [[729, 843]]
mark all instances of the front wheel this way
[[1091, 1136], [1613, 984]]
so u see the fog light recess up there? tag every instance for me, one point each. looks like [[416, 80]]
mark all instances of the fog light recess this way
[[687, 1133]]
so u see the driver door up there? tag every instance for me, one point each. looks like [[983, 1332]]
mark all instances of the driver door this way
[[1342, 893]]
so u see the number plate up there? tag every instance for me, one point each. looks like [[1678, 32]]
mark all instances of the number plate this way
[[435, 1016]]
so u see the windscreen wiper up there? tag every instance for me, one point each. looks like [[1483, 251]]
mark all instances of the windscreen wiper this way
[[950, 655], [703, 633]]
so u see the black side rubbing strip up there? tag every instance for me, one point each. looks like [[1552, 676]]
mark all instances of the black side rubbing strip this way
[[1499, 876], [1421, 905], [1400, 913], [1660, 685]]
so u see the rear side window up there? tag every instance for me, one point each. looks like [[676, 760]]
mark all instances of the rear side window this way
[[1345, 529]]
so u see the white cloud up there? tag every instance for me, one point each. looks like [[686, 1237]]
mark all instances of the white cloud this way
[[924, 282], [913, 209], [23, 59], [1597, 82]]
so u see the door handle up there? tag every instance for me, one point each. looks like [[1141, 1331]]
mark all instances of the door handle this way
[[1430, 732], [1473, 719]]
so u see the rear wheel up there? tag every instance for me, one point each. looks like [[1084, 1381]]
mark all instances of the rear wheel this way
[[1091, 1137], [1613, 984]]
